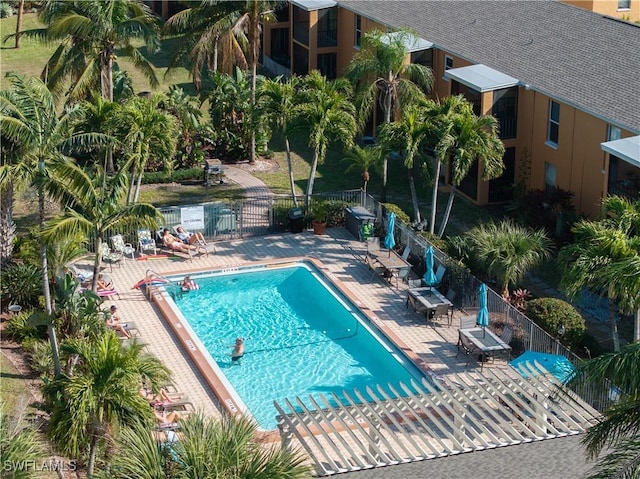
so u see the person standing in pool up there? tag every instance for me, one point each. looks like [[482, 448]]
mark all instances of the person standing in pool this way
[[238, 350]]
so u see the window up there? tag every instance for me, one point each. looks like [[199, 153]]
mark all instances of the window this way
[[280, 46], [549, 176], [327, 65], [614, 133], [423, 57], [448, 63], [301, 25], [624, 4], [328, 27], [554, 123], [505, 108], [358, 31]]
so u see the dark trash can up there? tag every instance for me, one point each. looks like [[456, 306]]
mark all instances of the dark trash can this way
[[296, 220]]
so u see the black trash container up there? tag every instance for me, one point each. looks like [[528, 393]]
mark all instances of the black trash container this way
[[296, 220]]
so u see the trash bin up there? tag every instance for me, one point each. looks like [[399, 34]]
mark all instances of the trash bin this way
[[356, 217], [296, 220]]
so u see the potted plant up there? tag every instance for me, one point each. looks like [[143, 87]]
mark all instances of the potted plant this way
[[319, 218]]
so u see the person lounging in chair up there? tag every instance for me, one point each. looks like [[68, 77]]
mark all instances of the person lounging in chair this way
[[190, 238], [175, 244]]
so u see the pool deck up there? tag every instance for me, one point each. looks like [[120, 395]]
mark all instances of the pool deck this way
[[339, 252]]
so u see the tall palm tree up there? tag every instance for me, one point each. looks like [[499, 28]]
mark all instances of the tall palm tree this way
[[225, 447], [209, 32], [381, 75], [91, 35], [327, 114], [616, 432], [409, 136], [465, 140], [507, 251], [278, 101], [94, 206], [363, 158], [29, 118], [440, 114], [100, 115], [604, 258], [147, 133], [101, 395]]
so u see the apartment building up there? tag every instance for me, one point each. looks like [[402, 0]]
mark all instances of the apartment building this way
[[563, 82], [623, 9]]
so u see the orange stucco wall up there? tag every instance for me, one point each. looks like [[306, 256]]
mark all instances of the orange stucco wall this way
[[610, 8]]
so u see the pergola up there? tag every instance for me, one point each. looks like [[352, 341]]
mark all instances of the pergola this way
[[445, 416]]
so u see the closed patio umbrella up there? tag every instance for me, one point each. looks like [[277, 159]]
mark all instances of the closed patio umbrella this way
[[389, 240], [483, 313], [429, 277]]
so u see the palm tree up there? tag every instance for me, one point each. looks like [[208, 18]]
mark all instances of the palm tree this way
[[278, 100], [507, 251], [100, 115], [91, 35], [440, 114], [617, 430], [363, 158], [326, 113], [409, 136], [90, 405], [465, 140], [382, 76], [604, 259], [147, 133], [225, 447], [209, 31], [29, 118], [95, 206]]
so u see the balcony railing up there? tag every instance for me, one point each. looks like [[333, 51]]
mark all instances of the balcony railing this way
[[628, 188]]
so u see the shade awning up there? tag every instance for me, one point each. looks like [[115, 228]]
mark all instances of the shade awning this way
[[481, 78], [627, 149], [411, 43], [312, 5]]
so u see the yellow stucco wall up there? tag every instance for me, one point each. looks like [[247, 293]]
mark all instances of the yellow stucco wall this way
[[610, 8]]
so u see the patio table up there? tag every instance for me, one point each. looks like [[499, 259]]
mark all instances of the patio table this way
[[426, 299], [482, 340], [391, 261]]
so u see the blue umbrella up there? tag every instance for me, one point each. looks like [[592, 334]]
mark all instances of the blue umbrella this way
[[389, 240], [430, 278], [483, 314]]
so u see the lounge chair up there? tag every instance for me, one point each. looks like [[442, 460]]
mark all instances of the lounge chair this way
[[111, 257], [107, 293], [119, 246], [84, 276], [146, 242]]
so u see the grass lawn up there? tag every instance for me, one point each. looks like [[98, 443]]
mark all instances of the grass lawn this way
[[14, 389], [32, 56]]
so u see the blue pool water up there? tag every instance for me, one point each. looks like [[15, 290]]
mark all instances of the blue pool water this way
[[301, 338]]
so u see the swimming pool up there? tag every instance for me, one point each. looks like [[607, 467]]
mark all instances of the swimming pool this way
[[303, 336]]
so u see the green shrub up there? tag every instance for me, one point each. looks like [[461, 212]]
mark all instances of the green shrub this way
[[400, 214], [21, 284], [19, 329], [6, 10], [40, 356], [550, 313]]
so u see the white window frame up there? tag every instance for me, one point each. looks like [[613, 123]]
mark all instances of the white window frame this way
[[624, 5], [447, 60], [553, 121], [358, 31]]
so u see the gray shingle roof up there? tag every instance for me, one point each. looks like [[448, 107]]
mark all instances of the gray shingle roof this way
[[576, 56]]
